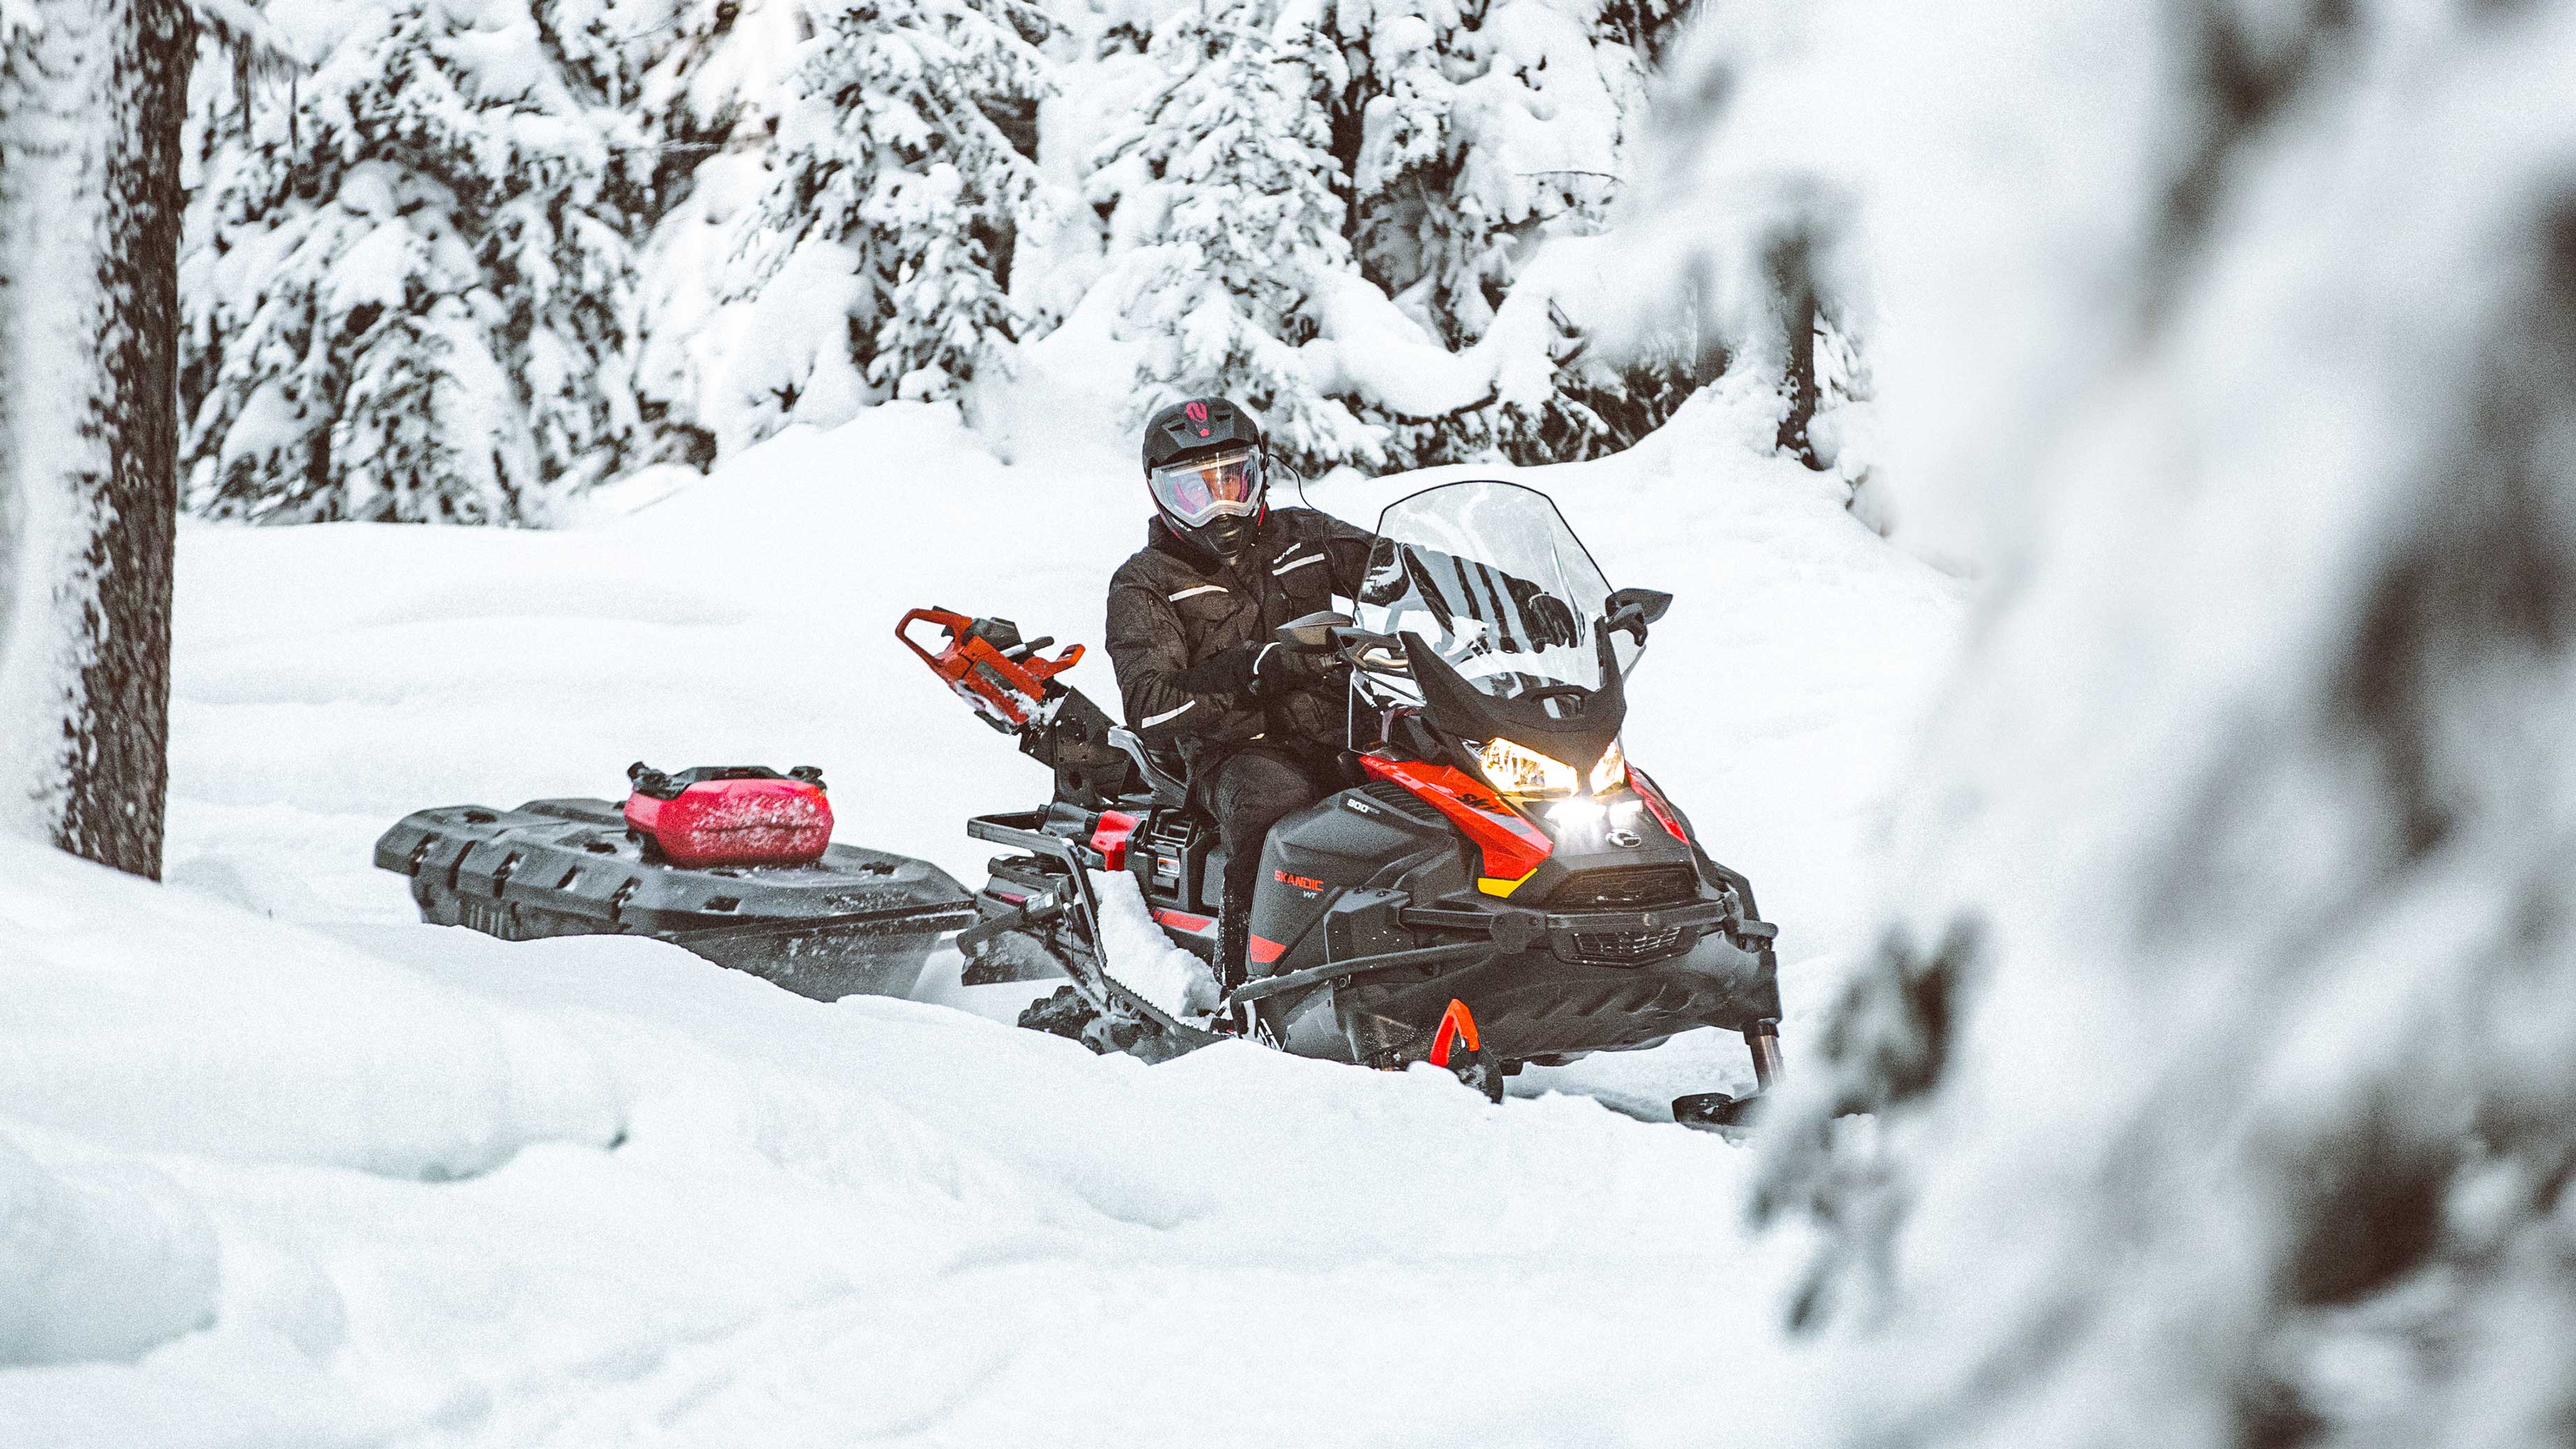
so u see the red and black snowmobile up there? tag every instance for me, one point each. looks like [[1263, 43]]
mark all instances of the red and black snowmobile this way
[[1497, 886]]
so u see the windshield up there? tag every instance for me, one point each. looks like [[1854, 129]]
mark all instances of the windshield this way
[[1490, 576]]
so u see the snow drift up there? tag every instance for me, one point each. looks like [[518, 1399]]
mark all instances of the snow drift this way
[[97, 1260]]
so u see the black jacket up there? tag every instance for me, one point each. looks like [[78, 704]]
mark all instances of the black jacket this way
[[1174, 605]]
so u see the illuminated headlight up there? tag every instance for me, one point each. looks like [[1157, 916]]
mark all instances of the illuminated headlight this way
[[1588, 816], [1524, 773], [1612, 772]]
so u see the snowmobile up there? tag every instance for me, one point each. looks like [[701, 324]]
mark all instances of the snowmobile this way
[[1498, 885]]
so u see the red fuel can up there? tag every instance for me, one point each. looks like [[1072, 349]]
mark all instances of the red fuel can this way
[[731, 815]]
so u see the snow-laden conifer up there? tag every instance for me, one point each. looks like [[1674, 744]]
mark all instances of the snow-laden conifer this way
[[880, 248], [711, 68], [708, 77], [1230, 160], [411, 298], [1477, 134]]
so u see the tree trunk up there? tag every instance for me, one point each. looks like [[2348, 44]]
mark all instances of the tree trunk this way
[[92, 94], [1798, 293]]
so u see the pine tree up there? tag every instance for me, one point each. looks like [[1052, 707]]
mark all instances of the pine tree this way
[[1438, 248], [1231, 159], [1473, 137], [92, 97], [702, 80], [710, 71], [891, 170], [2235, 1109], [413, 298]]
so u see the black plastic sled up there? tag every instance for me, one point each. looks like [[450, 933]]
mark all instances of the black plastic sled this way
[[856, 922]]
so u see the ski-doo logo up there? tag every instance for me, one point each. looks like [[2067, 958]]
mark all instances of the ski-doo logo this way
[[1197, 412], [1625, 839]]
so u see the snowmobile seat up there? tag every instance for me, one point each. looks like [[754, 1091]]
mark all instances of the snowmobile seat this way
[[1167, 786]]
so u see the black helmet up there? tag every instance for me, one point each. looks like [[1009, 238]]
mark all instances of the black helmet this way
[[1209, 475]]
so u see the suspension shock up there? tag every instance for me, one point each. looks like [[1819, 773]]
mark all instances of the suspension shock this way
[[1762, 1038]]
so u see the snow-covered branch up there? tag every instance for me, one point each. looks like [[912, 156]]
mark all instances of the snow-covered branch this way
[[1368, 348], [260, 51]]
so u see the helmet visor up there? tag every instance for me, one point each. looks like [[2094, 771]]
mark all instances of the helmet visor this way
[[1205, 489]]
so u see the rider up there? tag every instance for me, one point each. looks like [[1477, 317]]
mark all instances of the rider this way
[[1191, 618]]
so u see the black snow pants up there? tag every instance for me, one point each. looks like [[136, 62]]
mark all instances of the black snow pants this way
[[1254, 789]]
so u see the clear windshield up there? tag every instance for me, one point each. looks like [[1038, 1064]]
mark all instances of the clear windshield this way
[[1490, 576]]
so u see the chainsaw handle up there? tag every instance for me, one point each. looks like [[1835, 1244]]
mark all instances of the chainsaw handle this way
[[955, 623], [1050, 668]]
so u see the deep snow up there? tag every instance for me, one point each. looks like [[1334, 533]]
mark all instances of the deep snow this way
[[370, 1181]]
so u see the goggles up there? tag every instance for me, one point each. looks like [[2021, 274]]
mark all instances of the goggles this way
[[1228, 485]]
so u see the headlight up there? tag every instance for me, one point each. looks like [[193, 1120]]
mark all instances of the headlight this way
[[1524, 773], [1612, 772]]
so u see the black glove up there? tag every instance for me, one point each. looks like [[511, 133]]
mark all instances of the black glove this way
[[1259, 670], [1281, 671], [1227, 671]]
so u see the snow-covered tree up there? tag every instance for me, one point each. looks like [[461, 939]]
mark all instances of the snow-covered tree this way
[[412, 297], [711, 69], [1474, 136], [1230, 164], [703, 80], [1446, 151], [2217, 1059], [93, 97], [1742, 256], [894, 194]]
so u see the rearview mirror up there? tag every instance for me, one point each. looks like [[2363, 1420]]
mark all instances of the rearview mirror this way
[[1313, 633], [1634, 609]]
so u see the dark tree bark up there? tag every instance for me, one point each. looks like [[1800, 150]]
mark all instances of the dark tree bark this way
[[91, 102], [120, 780], [1798, 293]]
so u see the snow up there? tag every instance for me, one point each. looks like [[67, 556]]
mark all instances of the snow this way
[[392, 1183], [790, 357], [688, 327], [102, 1261], [2249, 790], [1366, 344], [1144, 959], [57, 144]]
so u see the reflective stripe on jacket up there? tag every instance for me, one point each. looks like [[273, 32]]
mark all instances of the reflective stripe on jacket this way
[[1173, 605]]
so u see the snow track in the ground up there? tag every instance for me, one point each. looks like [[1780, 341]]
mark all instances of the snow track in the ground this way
[[447, 1190]]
